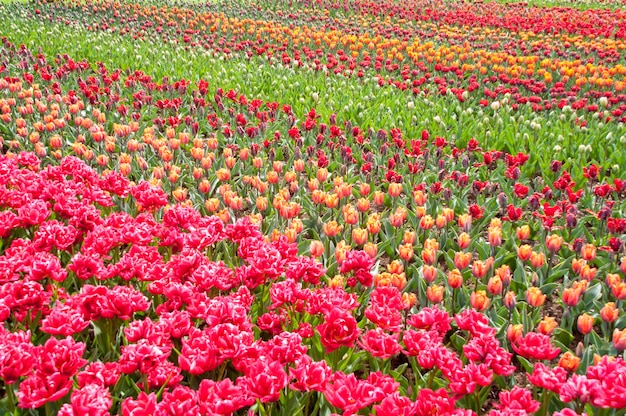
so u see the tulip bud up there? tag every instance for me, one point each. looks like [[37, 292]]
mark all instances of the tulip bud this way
[[569, 361], [479, 300], [609, 313], [513, 332], [585, 324], [434, 293], [535, 297]]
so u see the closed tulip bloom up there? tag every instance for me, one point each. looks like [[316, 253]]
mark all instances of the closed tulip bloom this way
[[364, 189], [465, 222], [619, 290], [588, 273], [523, 232], [537, 259], [363, 205], [434, 293], [577, 265], [584, 324], [426, 222], [429, 256], [419, 197], [430, 273], [408, 300], [622, 265], [569, 361], [408, 237], [514, 332], [440, 221], [495, 236], [455, 279], [494, 286], [462, 259], [395, 189], [588, 252], [448, 213], [524, 252], [464, 241], [316, 248], [371, 249], [510, 300], [609, 313], [571, 296], [379, 198], [479, 300], [406, 251], [535, 297], [619, 339], [504, 273], [480, 268], [547, 325], [373, 223], [359, 236], [350, 214], [395, 267], [331, 229], [554, 243]]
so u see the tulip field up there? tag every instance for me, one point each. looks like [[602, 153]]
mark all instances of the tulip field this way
[[312, 207]]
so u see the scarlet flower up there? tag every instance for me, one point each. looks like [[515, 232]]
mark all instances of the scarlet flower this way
[[547, 378], [517, 398], [310, 375], [339, 329]]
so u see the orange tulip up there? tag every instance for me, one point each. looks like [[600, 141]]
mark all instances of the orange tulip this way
[[350, 214], [398, 217], [571, 296], [419, 197], [504, 273], [465, 222], [332, 200], [510, 300], [524, 252], [535, 297], [448, 213], [363, 205], [379, 198], [409, 237], [523, 232], [408, 300], [212, 204], [455, 279], [577, 265], [537, 259], [494, 236], [494, 286], [464, 240], [462, 259], [395, 267], [373, 223], [426, 222], [619, 339], [429, 272], [340, 252], [622, 265], [434, 293], [480, 268], [261, 203], [395, 189], [371, 249], [364, 189], [547, 325], [588, 273], [619, 290], [429, 256], [588, 252], [359, 236], [316, 248], [331, 229], [406, 252], [609, 313], [440, 221], [584, 324], [479, 300], [514, 332], [554, 243], [322, 174], [179, 194], [569, 361]]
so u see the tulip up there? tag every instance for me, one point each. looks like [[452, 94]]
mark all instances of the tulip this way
[[465, 222], [395, 267], [622, 265], [429, 273], [537, 259], [395, 189], [535, 297], [588, 252], [479, 300], [553, 243], [350, 214], [455, 279], [371, 249], [448, 213], [434, 293], [406, 252], [426, 222], [609, 313], [363, 205], [504, 273], [212, 204], [364, 189], [588, 273], [494, 286], [584, 324], [462, 259], [571, 296], [373, 223], [577, 265], [331, 229], [547, 325], [569, 361], [408, 300], [429, 256], [510, 300], [524, 252], [619, 290], [619, 339], [494, 236], [419, 197], [332, 200], [514, 332], [523, 232], [322, 174], [359, 236], [464, 240], [408, 237], [479, 268], [440, 221], [379, 198]]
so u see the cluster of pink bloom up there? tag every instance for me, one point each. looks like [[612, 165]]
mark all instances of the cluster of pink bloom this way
[[105, 311]]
